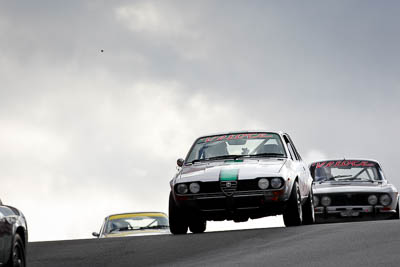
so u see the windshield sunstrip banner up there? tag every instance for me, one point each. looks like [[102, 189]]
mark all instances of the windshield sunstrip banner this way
[[343, 163], [234, 136]]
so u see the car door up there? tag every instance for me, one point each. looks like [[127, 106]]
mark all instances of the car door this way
[[299, 166], [307, 179]]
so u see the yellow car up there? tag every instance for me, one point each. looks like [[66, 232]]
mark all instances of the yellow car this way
[[134, 224]]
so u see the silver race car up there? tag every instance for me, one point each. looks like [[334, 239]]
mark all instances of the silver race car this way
[[237, 176], [352, 190]]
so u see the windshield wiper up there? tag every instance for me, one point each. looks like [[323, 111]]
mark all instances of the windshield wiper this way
[[268, 155], [197, 160], [358, 179], [226, 157], [154, 227], [121, 229], [220, 157]]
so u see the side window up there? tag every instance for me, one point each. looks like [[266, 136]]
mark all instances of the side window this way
[[292, 151]]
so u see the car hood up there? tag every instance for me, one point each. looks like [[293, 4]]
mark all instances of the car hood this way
[[140, 233], [347, 187], [247, 169]]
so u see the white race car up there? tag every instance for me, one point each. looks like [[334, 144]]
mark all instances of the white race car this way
[[237, 176]]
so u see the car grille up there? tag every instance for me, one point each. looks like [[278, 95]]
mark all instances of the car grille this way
[[218, 187], [347, 199], [210, 187], [246, 185]]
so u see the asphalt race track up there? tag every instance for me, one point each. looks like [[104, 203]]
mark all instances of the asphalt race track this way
[[375, 243]]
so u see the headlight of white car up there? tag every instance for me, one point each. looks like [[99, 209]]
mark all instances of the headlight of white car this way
[[182, 188], [263, 183], [316, 201], [385, 200], [276, 183], [194, 188], [326, 201], [372, 200]]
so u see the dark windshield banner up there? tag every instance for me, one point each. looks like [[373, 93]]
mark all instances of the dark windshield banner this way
[[343, 163]]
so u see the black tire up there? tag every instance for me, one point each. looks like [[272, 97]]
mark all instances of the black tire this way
[[308, 210], [293, 214], [17, 258], [177, 222], [198, 226]]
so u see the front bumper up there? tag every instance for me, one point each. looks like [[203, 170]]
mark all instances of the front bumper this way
[[352, 213], [239, 206]]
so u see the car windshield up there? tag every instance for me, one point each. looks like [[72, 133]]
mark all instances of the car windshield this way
[[129, 222], [235, 146], [345, 170]]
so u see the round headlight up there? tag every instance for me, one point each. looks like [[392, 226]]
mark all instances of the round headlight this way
[[194, 188], [326, 201], [276, 183], [182, 188], [372, 200], [385, 200], [263, 183], [316, 201]]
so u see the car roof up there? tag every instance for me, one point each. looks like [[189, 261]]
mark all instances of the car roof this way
[[239, 132], [136, 212]]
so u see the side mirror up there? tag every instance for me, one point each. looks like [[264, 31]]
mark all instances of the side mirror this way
[[180, 162], [95, 234]]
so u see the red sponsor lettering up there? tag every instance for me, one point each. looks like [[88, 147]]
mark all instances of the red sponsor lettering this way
[[210, 139], [263, 135], [237, 136], [329, 164], [320, 164], [367, 164], [242, 136], [221, 138], [355, 163], [338, 163], [230, 137], [345, 163]]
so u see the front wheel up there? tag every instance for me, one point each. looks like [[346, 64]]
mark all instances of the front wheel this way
[[17, 258], [198, 226], [293, 214], [309, 213], [177, 222]]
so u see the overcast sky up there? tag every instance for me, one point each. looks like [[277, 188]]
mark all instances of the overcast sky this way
[[85, 133]]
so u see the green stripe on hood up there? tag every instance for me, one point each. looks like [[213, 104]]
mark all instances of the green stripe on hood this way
[[228, 174]]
